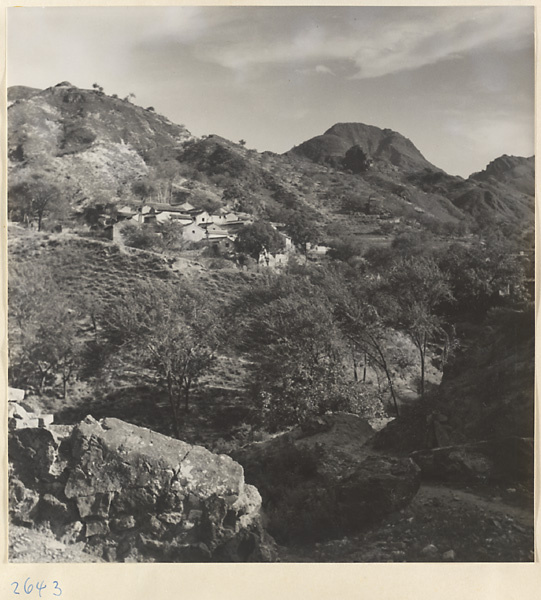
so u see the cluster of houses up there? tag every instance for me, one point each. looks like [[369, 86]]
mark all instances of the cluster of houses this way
[[218, 229]]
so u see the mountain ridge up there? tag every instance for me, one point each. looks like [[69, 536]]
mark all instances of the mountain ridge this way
[[94, 146]]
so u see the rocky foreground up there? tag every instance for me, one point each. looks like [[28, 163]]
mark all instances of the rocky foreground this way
[[131, 494], [111, 491]]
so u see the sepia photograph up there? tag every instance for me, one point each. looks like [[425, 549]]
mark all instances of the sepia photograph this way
[[271, 284]]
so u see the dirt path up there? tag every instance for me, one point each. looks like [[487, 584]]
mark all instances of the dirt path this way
[[442, 524], [519, 514]]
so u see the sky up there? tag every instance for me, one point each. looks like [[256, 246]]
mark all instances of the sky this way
[[457, 81]]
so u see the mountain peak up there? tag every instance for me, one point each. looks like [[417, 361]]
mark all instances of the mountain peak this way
[[383, 146]]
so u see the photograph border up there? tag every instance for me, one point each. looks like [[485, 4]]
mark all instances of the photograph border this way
[[397, 581]]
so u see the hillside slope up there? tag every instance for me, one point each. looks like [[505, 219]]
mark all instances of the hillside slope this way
[[85, 142]]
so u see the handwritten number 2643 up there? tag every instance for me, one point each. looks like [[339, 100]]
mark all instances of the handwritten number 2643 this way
[[40, 586]]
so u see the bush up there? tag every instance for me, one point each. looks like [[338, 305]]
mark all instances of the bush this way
[[345, 250], [140, 237], [309, 398]]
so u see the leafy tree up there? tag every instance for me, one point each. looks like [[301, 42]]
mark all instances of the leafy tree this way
[[480, 272], [170, 329], [143, 189], [35, 199], [379, 258], [363, 312], [419, 288], [345, 249], [45, 340], [94, 211], [286, 197], [356, 160], [28, 290], [142, 237], [353, 204], [303, 230], [57, 347], [409, 244], [170, 234], [298, 371], [252, 239]]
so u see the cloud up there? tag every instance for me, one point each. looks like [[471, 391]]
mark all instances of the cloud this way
[[378, 41], [323, 69]]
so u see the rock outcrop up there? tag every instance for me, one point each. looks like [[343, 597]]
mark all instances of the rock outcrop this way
[[135, 495], [322, 481]]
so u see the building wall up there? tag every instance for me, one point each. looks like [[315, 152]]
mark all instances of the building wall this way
[[193, 233]]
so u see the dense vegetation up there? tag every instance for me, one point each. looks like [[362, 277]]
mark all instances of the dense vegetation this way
[[415, 258], [315, 336]]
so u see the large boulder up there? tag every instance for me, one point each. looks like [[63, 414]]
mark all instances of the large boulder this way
[[136, 495], [322, 481]]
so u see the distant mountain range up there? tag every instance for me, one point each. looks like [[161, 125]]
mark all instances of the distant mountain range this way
[[94, 146]]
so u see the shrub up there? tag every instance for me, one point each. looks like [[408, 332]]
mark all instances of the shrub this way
[[143, 238]]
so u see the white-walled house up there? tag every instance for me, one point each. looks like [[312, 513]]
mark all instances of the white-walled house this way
[[224, 242], [126, 212], [200, 216], [289, 245], [214, 228], [178, 217], [273, 261], [221, 217], [319, 249], [193, 233]]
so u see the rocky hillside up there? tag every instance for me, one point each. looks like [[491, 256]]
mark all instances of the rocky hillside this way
[[85, 142], [504, 190], [516, 172], [21, 92]]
